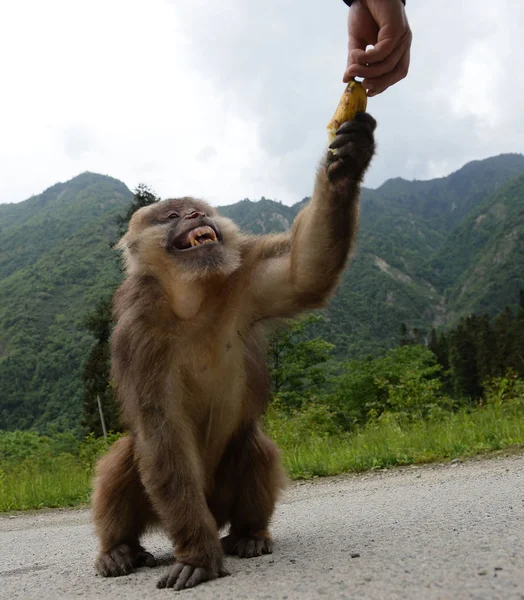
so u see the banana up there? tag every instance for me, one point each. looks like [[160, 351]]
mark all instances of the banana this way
[[354, 100]]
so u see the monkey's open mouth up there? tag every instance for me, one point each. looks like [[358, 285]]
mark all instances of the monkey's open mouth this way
[[198, 237]]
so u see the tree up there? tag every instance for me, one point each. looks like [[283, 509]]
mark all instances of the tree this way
[[404, 335], [406, 381], [96, 374], [463, 360], [298, 365], [143, 196]]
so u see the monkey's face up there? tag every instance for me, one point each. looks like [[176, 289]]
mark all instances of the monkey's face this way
[[184, 237]]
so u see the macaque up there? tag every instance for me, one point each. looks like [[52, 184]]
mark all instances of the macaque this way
[[189, 364]]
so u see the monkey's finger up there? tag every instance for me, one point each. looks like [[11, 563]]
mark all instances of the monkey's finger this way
[[170, 579], [123, 559], [145, 558], [259, 547], [199, 576], [249, 549], [184, 576], [223, 572], [347, 138], [265, 547], [106, 566], [360, 121], [112, 566], [349, 149]]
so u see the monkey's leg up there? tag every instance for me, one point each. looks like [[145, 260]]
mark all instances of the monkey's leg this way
[[121, 512], [253, 459], [172, 472]]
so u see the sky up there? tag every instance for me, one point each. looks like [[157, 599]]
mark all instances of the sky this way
[[229, 100]]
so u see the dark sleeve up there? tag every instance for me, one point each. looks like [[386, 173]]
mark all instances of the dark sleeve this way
[[348, 2]]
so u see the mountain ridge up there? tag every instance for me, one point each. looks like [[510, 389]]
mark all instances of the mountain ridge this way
[[416, 262]]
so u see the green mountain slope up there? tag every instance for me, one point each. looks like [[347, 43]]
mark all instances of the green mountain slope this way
[[427, 253], [55, 263], [481, 265], [445, 201]]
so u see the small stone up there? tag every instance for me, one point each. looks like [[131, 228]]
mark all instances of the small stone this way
[[499, 569], [482, 573], [292, 560], [456, 461], [355, 555]]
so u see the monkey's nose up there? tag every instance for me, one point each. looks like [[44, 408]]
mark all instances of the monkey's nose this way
[[194, 214]]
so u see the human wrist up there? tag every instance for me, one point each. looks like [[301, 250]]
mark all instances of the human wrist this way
[[350, 2]]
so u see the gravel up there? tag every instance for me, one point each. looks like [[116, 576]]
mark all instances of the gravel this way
[[442, 532]]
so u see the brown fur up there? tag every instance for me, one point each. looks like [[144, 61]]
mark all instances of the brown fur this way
[[188, 359]]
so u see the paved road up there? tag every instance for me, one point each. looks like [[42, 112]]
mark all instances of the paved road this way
[[454, 531]]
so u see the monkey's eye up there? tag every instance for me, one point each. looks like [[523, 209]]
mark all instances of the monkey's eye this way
[[173, 215]]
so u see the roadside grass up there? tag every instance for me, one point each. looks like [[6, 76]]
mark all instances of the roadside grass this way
[[389, 443], [38, 471]]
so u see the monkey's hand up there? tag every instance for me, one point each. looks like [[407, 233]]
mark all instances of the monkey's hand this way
[[247, 547], [352, 149], [122, 559], [183, 576]]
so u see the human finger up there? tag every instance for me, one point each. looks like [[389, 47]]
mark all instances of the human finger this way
[[368, 71], [377, 85]]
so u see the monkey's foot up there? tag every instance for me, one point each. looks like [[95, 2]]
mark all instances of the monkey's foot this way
[[182, 576], [122, 559], [247, 547]]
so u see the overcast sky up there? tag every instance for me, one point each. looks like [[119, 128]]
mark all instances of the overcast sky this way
[[230, 99]]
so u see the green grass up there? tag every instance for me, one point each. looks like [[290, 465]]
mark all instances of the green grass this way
[[37, 472], [65, 482], [388, 443], [46, 472]]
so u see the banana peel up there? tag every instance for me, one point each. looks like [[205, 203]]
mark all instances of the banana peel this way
[[354, 100]]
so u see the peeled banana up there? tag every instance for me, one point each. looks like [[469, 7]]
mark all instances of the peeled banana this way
[[354, 100]]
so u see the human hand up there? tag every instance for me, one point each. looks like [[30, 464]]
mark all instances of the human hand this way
[[384, 24]]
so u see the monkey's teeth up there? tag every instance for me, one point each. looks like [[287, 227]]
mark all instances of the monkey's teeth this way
[[202, 235]]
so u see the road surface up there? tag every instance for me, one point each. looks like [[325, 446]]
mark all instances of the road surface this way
[[446, 532]]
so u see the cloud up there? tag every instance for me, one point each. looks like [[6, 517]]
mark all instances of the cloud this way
[[226, 100], [206, 154]]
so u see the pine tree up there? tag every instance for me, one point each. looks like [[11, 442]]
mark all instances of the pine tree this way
[[505, 340], [143, 196], [96, 375], [463, 361], [439, 345], [485, 343], [404, 335]]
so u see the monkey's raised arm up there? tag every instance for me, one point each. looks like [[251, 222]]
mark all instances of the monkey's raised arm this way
[[301, 272]]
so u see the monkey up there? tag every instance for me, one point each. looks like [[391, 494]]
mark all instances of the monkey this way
[[188, 359]]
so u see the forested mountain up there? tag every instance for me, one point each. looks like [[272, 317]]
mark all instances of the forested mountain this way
[[55, 263], [428, 252]]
